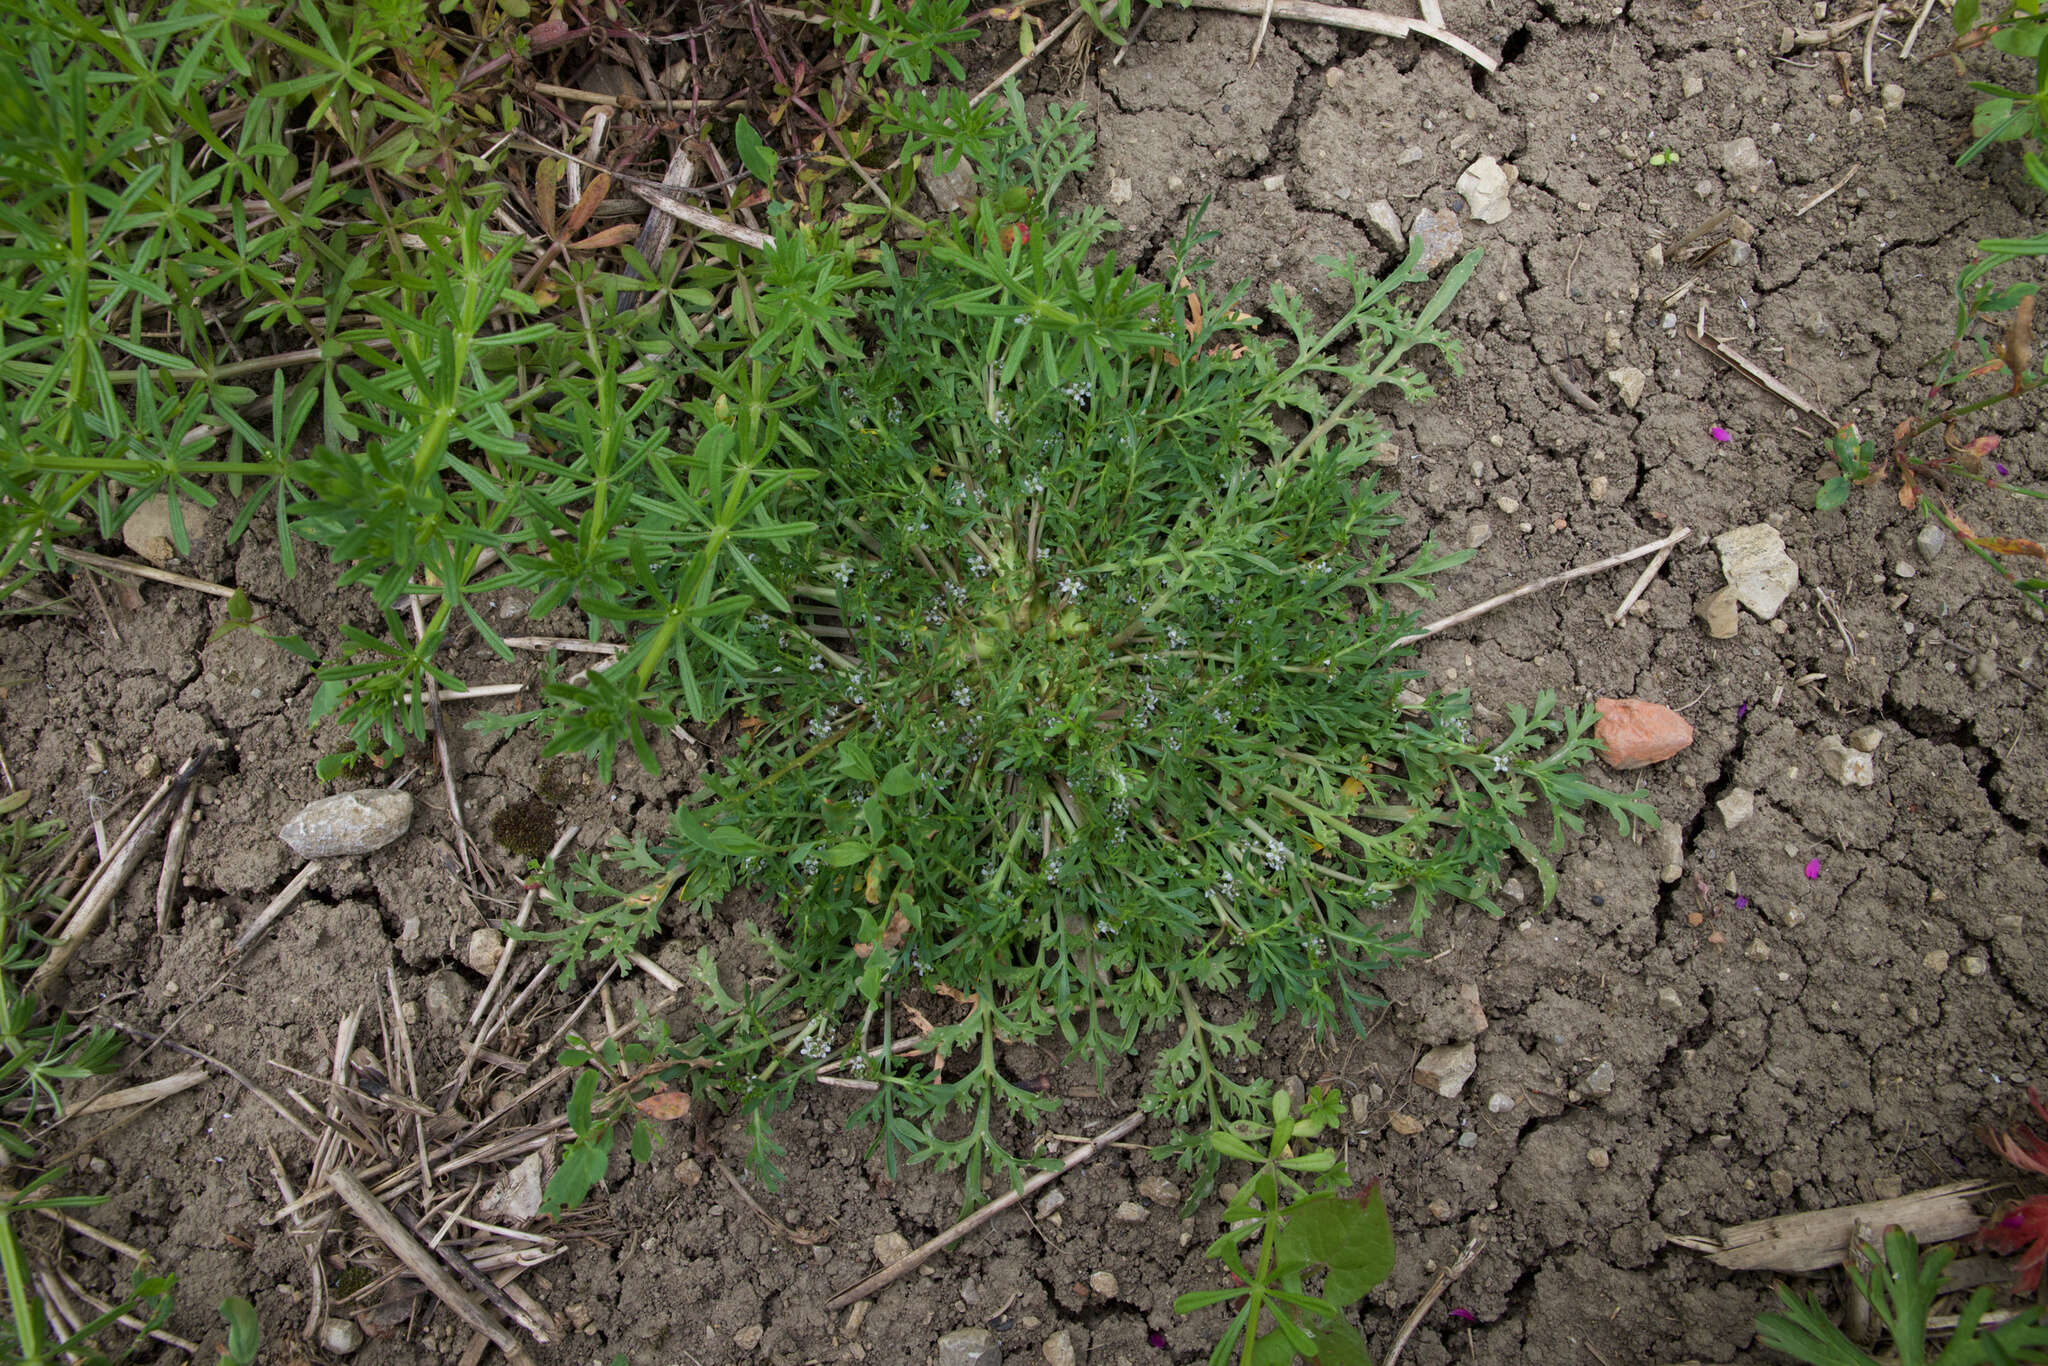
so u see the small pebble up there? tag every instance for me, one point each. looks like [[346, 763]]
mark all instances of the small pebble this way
[[1936, 961], [1500, 1102], [1159, 1190], [1130, 1212], [1404, 1124], [1599, 1081], [148, 766], [970, 1347], [1104, 1284], [1668, 1001], [891, 1248], [1597, 1159], [1478, 534], [1973, 966], [1059, 1348], [351, 823], [1051, 1201], [486, 946], [340, 1337], [1468, 1139], [1439, 1209], [749, 1337], [1930, 542], [1867, 739]]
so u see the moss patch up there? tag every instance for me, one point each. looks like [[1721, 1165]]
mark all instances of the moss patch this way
[[526, 827]]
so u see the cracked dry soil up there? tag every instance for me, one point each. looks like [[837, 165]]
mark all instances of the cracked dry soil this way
[[1736, 1042]]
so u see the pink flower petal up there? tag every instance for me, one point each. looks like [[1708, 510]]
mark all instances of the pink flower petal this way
[[1812, 869], [1720, 434]]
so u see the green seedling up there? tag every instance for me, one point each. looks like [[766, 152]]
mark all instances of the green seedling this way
[[1902, 1285], [1290, 1223], [1667, 157]]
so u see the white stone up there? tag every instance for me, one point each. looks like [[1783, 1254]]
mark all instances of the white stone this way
[[1445, 1070], [147, 531], [1120, 189], [486, 946], [891, 1247], [1104, 1284], [1741, 159], [1754, 562], [1847, 766], [970, 1347], [340, 1337], [1059, 1349], [1628, 382], [1383, 226], [1485, 188], [351, 823], [1738, 806]]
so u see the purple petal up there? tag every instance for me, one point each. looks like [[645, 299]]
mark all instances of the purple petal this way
[[1464, 1316], [2002, 470], [1157, 1339], [1741, 903], [1742, 711], [1720, 433], [1812, 869]]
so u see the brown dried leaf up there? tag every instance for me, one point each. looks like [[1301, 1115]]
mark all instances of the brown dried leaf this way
[[665, 1105], [547, 183], [593, 195], [2017, 346], [615, 236]]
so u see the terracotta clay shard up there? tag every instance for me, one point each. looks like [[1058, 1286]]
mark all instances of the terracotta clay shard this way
[[1638, 733]]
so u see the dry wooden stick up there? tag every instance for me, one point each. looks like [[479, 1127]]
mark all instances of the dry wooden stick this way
[[1831, 191], [471, 864], [1044, 44], [160, 1089], [283, 1111], [1480, 610], [653, 192], [141, 571], [466, 1269], [174, 858], [97, 896], [279, 904], [1357, 20], [423, 1264], [1429, 1297], [898, 1270], [1642, 582], [526, 905], [1259, 38], [128, 1321], [1751, 371]]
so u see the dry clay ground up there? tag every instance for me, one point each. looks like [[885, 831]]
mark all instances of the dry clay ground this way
[[1671, 1056]]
